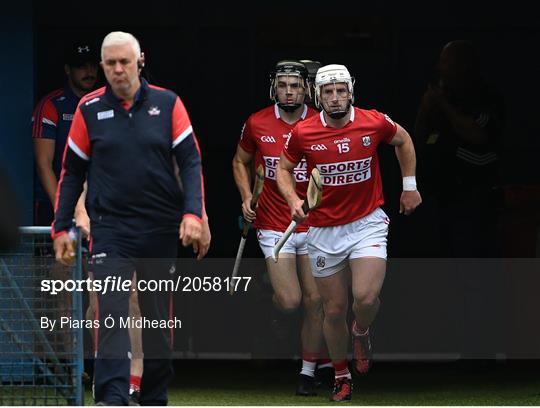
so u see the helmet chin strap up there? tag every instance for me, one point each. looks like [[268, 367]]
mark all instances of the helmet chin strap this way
[[339, 114], [289, 108]]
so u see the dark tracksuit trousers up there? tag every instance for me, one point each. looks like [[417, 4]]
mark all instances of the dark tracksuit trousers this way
[[152, 256]]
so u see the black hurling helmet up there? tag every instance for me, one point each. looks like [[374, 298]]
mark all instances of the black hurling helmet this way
[[312, 68], [288, 68]]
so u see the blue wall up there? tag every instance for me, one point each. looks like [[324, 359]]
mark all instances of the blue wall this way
[[16, 100]]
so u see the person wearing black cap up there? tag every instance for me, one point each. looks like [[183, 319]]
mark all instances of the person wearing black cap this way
[[51, 122]]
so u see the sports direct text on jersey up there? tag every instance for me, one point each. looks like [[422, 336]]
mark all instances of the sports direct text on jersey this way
[[342, 173]]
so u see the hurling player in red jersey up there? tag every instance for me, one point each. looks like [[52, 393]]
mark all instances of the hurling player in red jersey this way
[[261, 141], [349, 229]]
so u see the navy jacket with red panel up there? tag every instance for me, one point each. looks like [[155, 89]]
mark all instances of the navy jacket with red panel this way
[[127, 158], [51, 120]]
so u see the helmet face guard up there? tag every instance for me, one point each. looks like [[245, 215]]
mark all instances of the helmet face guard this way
[[334, 74], [280, 77]]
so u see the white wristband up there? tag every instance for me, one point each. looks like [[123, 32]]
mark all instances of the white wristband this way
[[409, 183]]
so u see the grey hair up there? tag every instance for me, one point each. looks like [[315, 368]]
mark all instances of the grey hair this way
[[119, 38]]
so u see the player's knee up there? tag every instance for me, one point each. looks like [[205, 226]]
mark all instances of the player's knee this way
[[335, 312], [287, 302], [364, 300]]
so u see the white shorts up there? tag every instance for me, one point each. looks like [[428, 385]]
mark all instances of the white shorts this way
[[331, 247], [296, 244]]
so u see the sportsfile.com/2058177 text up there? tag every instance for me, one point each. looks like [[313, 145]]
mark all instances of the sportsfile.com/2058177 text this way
[[117, 284]]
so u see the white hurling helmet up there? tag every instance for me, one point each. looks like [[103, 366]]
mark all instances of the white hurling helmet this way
[[333, 73]]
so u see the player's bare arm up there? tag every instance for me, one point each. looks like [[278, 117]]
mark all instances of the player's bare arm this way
[[404, 147], [44, 154], [286, 185], [81, 216], [70, 189], [242, 177]]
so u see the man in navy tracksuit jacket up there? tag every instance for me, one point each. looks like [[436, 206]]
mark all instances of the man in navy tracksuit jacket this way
[[51, 121], [123, 139]]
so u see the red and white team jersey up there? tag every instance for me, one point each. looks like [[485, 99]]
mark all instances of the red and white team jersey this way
[[348, 162], [264, 134]]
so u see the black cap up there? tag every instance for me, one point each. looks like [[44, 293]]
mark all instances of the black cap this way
[[80, 53]]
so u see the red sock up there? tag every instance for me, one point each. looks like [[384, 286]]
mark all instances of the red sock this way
[[342, 369], [135, 382]]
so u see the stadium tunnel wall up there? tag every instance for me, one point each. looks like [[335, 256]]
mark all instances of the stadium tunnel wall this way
[[17, 99]]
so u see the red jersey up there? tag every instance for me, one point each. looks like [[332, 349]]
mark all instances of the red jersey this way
[[348, 162], [264, 134]]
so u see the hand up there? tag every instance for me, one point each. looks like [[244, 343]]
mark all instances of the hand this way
[[202, 245], [190, 230], [409, 201], [249, 214], [63, 249], [83, 222], [297, 212]]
